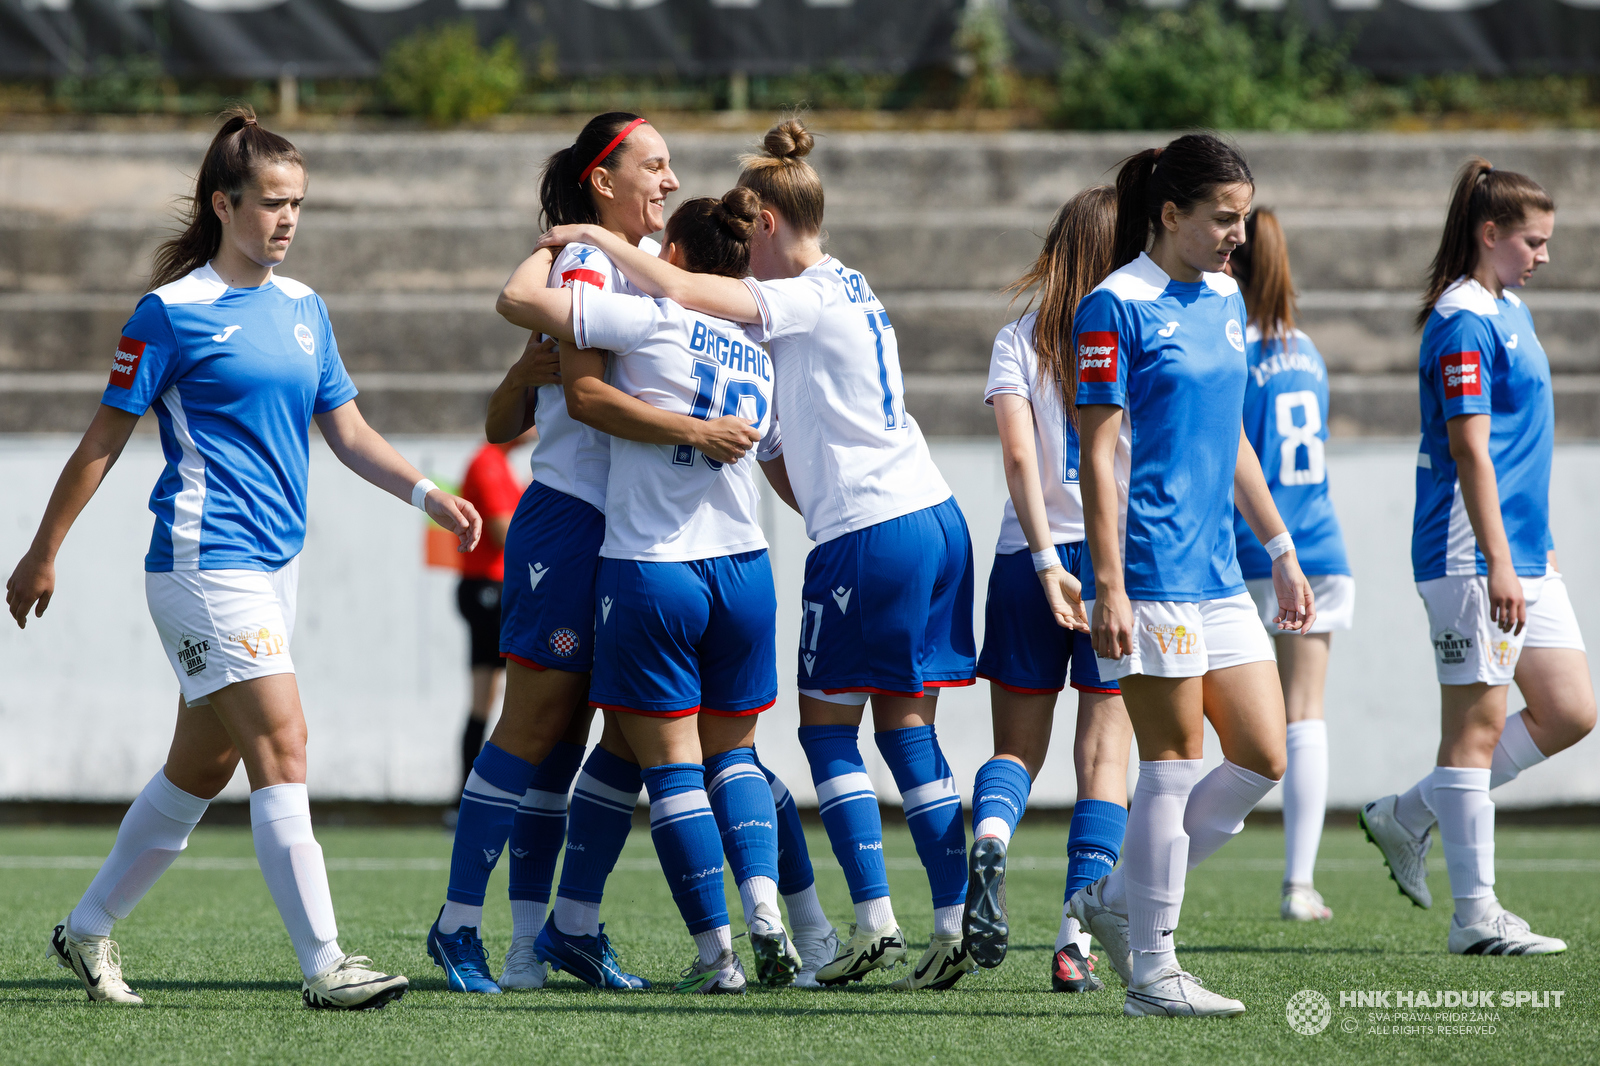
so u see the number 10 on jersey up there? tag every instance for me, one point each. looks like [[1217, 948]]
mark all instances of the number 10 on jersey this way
[[742, 398]]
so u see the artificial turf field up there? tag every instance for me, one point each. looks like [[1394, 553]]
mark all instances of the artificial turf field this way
[[208, 953]]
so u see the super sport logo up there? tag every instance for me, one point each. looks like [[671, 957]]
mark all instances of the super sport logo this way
[[125, 362], [1461, 377], [1097, 356]]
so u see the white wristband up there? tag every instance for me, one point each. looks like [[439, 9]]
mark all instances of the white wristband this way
[[1044, 560], [419, 492], [1279, 544]]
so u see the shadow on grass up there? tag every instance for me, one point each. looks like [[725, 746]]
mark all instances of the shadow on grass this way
[[42, 983]]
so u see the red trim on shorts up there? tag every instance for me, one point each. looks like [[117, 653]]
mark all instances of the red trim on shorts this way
[[647, 714], [1018, 689], [740, 714], [1092, 688], [950, 684], [520, 661]]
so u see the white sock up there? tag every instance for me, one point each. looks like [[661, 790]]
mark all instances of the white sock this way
[[527, 918], [1115, 894], [153, 832], [1215, 812], [1411, 808], [291, 862], [1305, 798], [576, 918], [1515, 753], [805, 909], [1460, 797], [1067, 932], [713, 942], [753, 890], [947, 920], [1155, 854], [993, 827], [874, 913], [458, 916]]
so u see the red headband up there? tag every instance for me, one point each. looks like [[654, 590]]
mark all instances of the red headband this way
[[608, 149]]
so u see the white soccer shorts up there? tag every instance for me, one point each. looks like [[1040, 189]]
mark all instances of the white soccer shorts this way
[[1469, 649], [1172, 639], [222, 626], [1333, 594]]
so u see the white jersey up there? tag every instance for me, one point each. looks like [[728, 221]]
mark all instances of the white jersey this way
[[569, 456], [664, 502], [855, 458]]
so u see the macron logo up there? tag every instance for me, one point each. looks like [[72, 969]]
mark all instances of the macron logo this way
[[841, 596], [1097, 356], [605, 610], [536, 572]]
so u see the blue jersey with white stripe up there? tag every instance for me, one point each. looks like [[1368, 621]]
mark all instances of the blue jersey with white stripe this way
[[1480, 355], [234, 376], [1286, 419]]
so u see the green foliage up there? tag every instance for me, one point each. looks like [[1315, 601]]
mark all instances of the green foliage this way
[[441, 73], [984, 44], [129, 83]]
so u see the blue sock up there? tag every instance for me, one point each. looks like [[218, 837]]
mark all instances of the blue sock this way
[[746, 817], [540, 826], [849, 807], [685, 832], [933, 808], [1000, 791], [1094, 841], [597, 825], [488, 803], [794, 856]]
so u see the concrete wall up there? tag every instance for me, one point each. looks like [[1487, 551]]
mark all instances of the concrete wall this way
[[87, 697]]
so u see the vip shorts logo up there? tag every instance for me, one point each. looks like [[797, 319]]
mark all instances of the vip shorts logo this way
[[1308, 1012], [1461, 378], [1097, 356], [1174, 640], [1451, 647], [564, 642], [1235, 334], [192, 654], [259, 642], [303, 334], [125, 362], [1504, 653]]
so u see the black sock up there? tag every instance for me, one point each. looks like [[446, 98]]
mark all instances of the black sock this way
[[471, 745]]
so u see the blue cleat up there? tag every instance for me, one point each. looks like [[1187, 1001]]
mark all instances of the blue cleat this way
[[461, 956], [588, 958]]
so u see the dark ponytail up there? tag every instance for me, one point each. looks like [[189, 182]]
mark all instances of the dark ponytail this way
[[563, 199], [1184, 173], [714, 235], [1261, 267], [1481, 194], [238, 151]]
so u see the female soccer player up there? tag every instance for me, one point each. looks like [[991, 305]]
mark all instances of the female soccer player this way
[[1498, 609], [685, 601], [1035, 635], [1286, 419], [887, 599], [1161, 359], [236, 361]]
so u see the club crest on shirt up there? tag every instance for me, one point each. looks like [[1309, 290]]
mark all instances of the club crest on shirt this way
[[192, 654], [1451, 647], [302, 333], [1235, 334]]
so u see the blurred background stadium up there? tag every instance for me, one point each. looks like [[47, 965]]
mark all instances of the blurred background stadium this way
[[951, 130]]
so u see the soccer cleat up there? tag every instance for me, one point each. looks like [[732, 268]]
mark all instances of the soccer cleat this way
[[1109, 927], [1302, 903], [96, 961], [725, 977], [523, 968], [816, 947], [1501, 934], [1177, 994], [1405, 855], [588, 958], [1071, 972], [777, 962], [460, 954], [941, 966], [984, 922], [864, 952], [352, 984]]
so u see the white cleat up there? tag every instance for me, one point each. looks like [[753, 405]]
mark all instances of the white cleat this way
[[777, 961], [352, 984], [865, 951], [1176, 993], [96, 961], [1302, 903], [725, 977], [1502, 933], [1109, 927], [941, 966], [1405, 855], [523, 968], [817, 947]]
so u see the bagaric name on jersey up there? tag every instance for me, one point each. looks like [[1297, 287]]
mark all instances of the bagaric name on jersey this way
[[730, 352], [1282, 362]]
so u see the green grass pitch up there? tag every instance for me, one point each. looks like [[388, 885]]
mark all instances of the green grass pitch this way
[[208, 953]]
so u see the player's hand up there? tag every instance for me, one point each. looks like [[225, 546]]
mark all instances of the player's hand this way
[[1111, 632], [1297, 608], [726, 439], [1507, 607], [456, 515], [32, 582], [560, 236], [1065, 594], [539, 364]]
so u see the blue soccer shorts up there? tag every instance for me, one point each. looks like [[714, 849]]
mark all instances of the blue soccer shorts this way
[[1024, 650], [547, 601]]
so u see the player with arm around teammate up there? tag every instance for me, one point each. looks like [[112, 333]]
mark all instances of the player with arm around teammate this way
[[1483, 557], [236, 362]]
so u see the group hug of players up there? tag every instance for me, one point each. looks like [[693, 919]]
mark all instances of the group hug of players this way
[[1162, 423]]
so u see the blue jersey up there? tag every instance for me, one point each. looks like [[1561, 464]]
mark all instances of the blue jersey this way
[[1286, 419], [1480, 356], [234, 376], [1171, 354]]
